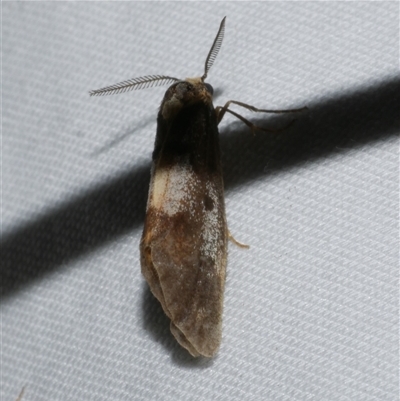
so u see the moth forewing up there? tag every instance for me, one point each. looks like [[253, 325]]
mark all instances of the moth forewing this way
[[183, 247]]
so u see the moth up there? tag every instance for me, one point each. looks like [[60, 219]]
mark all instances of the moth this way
[[184, 243]]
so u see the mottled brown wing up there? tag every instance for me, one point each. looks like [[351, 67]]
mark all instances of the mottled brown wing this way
[[183, 248]]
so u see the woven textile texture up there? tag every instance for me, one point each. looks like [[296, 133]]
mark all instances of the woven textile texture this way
[[310, 310]]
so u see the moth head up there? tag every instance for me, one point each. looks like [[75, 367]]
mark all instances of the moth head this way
[[184, 94]]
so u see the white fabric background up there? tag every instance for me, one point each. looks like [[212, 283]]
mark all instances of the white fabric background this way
[[311, 309]]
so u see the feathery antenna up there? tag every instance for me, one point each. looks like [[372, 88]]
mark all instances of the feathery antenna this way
[[147, 81], [212, 55]]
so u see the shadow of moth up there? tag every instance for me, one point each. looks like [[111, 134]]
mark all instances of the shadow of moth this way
[[184, 243]]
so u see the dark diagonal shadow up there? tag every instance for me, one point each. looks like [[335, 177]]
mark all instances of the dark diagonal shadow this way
[[116, 207], [73, 229], [337, 125]]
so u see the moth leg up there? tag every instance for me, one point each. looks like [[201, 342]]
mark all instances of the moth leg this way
[[236, 242], [222, 110], [254, 127], [20, 394]]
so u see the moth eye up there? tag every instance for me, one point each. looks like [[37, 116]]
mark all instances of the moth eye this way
[[209, 88]]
